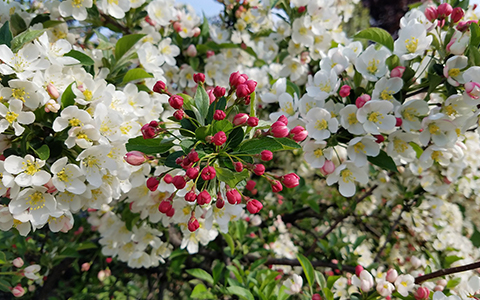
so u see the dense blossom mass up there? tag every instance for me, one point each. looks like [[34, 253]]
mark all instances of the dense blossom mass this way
[[265, 137]]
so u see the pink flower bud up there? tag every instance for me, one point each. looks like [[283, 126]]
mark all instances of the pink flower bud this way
[[431, 13], [208, 173], [192, 173], [327, 168], [360, 102], [135, 158], [52, 91], [193, 224], [250, 185], [210, 53], [358, 270], [422, 293], [108, 260], [18, 262], [266, 155], [283, 119], [298, 133], [442, 282], [176, 101], [457, 14], [152, 183], [193, 156], [199, 78], [399, 122], [190, 196], [220, 203], [203, 198], [164, 206], [18, 291], [300, 10], [290, 180], [444, 10], [219, 138], [438, 288], [179, 114], [150, 21], [259, 169], [279, 129], [397, 72], [316, 297], [251, 84], [219, 91], [159, 87], [52, 106], [463, 26], [344, 91], [276, 186], [196, 31], [179, 182], [392, 275], [252, 122], [177, 26], [240, 119], [85, 267], [254, 206], [238, 166], [219, 115], [148, 131], [168, 178], [191, 51], [379, 138], [242, 90], [234, 197]]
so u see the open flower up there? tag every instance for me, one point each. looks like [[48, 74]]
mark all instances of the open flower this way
[[293, 284], [14, 116], [346, 174]]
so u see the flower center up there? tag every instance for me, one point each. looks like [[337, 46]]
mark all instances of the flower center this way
[[373, 66], [11, 117], [321, 125], [375, 117], [37, 201], [347, 176], [30, 167], [454, 72], [411, 44]]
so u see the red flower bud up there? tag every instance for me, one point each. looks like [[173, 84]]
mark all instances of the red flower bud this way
[[210, 53], [199, 78], [190, 196], [179, 182], [237, 79], [254, 206], [220, 203], [159, 87], [259, 169], [219, 91], [360, 102], [242, 90], [168, 178], [135, 158], [176, 101], [170, 212], [444, 10], [301, 9], [152, 183], [208, 173], [219, 138], [283, 119], [234, 197], [422, 293], [290, 180], [193, 224], [251, 84], [457, 14], [431, 13], [192, 173], [344, 91], [397, 72], [276, 186], [148, 132], [193, 156], [240, 119], [179, 114], [358, 270], [379, 138], [238, 166], [211, 96], [203, 198], [398, 122], [298, 133], [266, 155], [250, 185], [164, 206], [252, 122], [219, 115], [279, 129]]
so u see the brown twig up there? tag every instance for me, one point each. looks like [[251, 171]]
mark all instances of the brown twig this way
[[448, 271], [110, 20], [295, 262]]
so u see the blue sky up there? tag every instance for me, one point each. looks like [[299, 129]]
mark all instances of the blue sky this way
[[210, 7]]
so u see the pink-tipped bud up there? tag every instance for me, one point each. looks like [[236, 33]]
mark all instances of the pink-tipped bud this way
[[196, 31], [150, 21], [276, 186], [298, 133], [193, 156], [179, 182], [18, 291], [290, 180], [177, 26], [204, 198], [219, 138], [283, 119], [379, 138], [240, 119], [234, 197], [52, 106], [254, 206], [431, 13], [190, 196], [444, 10], [199, 78], [279, 129], [392, 275], [219, 115], [159, 87], [250, 185], [345, 91], [398, 122], [192, 173], [301, 9], [242, 91], [191, 51], [360, 102], [152, 183], [358, 270], [135, 158], [193, 224], [422, 293], [316, 297], [164, 206], [259, 169], [397, 72], [266, 155], [238, 166], [219, 91], [179, 114], [208, 173], [176, 101], [52, 91], [327, 168], [210, 53], [252, 122], [457, 14], [18, 262]]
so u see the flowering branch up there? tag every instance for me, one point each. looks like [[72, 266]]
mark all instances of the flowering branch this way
[[444, 272]]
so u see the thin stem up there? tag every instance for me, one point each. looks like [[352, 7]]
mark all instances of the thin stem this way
[[448, 271]]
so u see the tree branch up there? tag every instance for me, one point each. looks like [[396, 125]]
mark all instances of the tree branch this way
[[448, 271], [295, 262]]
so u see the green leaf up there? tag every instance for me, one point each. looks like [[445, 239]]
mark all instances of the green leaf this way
[[6, 35], [435, 81], [194, 62], [200, 291], [202, 132], [52, 23], [322, 282], [135, 74], [3, 258], [383, 161], [39, 19], [417, 148], [216, 105], [475, 238], [243, 293], [292, 88], [474, 35], [5, 286], [24, 38], [204, 33], [255, 146], [86, 246], [453, 282], [474, 55], [81, 57], [331, 280], [281, 294], [328, 294], [357, 78], [258, 263], [222, 125], [149, 146], [358, 241], [451, 259], [17, 23], [43, 152], [392, 62], [170, 161], [126, 43], [201, 274], [68, 97], [230, 243], [307, 269], [229, 177], [202, 101], [217, 271], [377, 35], [235, 137]]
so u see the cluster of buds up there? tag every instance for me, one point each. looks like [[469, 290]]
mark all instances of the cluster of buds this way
[[442, 12], [212, 144]]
